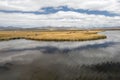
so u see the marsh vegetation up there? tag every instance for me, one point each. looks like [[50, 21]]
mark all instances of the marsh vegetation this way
[[54, 35]]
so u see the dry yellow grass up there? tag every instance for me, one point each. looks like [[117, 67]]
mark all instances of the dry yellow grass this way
[[68, 35]]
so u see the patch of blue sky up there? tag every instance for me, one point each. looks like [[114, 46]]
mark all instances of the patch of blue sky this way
[[52, 10]]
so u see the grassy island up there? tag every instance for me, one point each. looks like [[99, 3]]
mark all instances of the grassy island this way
[[52, 35]]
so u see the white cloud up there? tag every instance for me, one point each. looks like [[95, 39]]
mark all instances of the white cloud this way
[[58, 19], [35, 5]]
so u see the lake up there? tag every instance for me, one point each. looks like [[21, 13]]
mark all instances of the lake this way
[[40, 60]]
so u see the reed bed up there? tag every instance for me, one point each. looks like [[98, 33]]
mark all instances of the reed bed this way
[[68, 35]]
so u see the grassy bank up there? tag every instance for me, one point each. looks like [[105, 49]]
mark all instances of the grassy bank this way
[[55, 35]]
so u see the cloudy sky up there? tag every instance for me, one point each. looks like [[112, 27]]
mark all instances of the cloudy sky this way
[[68, 13]]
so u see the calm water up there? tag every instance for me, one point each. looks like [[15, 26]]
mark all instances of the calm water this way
[[39, 60]]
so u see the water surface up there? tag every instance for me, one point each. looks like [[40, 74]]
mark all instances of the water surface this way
[[21, 59]]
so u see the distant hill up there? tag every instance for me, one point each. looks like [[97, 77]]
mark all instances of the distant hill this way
[[9, 28], [57, 28]]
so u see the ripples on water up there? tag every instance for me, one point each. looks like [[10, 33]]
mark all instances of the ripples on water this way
[[34, 60]]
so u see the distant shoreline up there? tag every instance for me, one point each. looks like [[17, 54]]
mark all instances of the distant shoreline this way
[[55, 28]]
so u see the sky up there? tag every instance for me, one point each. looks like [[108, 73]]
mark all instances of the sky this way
[[60, 13]]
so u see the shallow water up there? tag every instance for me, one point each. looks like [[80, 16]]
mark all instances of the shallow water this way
[[58, 60]]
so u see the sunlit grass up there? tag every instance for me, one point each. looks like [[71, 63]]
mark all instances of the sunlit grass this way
[[55, 35]]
